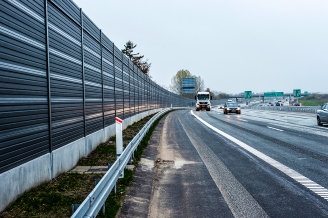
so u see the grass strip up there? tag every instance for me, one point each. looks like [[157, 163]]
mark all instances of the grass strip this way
[[114, 200], [55, 198], [312, 102]]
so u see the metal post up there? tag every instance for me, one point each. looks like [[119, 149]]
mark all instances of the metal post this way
[[103, 209], [102, 79], [123, 84], [129, 88], [83, 76], [48, 75], [114, 71]]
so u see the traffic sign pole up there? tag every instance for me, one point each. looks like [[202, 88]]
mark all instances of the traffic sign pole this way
[[297, 94]]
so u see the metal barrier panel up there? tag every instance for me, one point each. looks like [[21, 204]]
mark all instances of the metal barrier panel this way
[[66, 85], [93, 80], [126, 87], [24, 111], [132, 90], [118, 82], [108, 81], [62, 79]]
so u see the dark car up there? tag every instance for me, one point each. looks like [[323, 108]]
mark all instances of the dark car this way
[[297, 104], [322, 115], [231, 107]]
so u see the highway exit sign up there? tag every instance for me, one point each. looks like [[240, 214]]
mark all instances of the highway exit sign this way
[[273, 94], [248, 94], [297, 93]]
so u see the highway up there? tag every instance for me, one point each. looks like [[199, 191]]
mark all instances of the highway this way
[[257, 164]]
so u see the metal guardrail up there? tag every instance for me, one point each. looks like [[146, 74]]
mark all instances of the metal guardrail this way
[[306, 109], [91, 206]]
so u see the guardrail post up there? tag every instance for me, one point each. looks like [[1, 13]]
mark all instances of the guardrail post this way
[[103, 207], [130, 160], [74, 207]]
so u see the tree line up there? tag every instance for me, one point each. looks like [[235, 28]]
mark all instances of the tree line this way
[[176, 81]]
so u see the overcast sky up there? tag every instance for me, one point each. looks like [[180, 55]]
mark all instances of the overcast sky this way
[[234, 45]]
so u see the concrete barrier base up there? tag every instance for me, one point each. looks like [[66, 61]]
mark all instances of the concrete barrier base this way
[[16, 181]]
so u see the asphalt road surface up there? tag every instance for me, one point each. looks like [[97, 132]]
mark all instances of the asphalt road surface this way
[[256, 164]]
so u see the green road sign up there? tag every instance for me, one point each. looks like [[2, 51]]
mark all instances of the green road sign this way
[[248, 94], [273, 94], [297, 93], [306, 92]]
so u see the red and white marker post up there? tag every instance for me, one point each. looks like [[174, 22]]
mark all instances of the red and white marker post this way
[[119, 138]]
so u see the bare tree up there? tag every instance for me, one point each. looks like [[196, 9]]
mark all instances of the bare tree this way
[[176, 81], [199, 84]]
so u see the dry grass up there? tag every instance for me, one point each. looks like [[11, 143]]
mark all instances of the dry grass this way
[[55, 198]]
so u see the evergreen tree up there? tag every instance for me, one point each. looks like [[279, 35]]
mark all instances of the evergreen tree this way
[[136, 59]]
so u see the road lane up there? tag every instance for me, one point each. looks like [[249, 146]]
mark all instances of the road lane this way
[[301, 150], [204, 174], [240, 202], [183, 187]]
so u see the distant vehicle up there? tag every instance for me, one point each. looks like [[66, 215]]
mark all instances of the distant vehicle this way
[[203, 101], [322, 115], [278, 104], [220, 107], [297, 104], [231, 107], [229, 100]]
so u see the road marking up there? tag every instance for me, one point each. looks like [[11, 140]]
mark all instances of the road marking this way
[[306, 182], [275, 129], [243, 120], [238, 199]]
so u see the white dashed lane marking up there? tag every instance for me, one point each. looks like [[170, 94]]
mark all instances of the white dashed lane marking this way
[[306, 182], [275, 128]]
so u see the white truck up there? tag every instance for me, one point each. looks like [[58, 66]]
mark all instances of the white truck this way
[[203, 101]]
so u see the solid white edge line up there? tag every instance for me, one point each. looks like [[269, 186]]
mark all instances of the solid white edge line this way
[[275, 129], [286, 170]]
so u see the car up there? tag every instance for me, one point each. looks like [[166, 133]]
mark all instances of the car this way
[[220, 107], [278, 104], [231, 107], [322, 115], [297, 104]]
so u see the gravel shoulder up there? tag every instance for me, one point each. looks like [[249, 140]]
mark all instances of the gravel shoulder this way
[[137, 199]]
